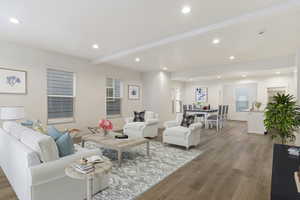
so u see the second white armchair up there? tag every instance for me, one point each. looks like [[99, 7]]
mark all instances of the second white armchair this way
[[148, 128], [180, 135]]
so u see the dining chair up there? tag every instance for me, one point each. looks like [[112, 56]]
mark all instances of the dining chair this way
[[216, 119], [184, 107], [223, 116], [226, 112]]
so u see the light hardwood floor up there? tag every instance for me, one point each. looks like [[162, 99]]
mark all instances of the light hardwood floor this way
[[235, 165]]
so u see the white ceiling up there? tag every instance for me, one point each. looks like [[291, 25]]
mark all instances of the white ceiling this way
[[156, 31]]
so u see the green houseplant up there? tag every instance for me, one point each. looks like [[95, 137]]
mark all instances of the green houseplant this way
[[282, 117]]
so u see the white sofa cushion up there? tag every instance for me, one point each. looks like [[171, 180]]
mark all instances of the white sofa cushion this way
[[14, 129], [44, 145], [178, 131], [135, 125]]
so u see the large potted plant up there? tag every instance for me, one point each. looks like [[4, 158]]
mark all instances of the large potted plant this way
[[282, 117]]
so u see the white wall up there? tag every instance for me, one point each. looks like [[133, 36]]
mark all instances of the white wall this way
[[157, 94], [297, 74], [216, 90], [90, 85]]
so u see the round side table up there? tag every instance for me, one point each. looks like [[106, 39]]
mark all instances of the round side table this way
[[100, 168]]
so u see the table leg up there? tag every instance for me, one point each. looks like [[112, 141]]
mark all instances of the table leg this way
[[148, 148], [82, 142], [205, 121], [89, 189], [120, 157]]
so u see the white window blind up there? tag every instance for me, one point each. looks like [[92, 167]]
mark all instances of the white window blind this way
[[61, 96], [113, 97]]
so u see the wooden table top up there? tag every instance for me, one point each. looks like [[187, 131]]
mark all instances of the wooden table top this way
[[111, 142]]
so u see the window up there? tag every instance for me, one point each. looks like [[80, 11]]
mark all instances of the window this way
[[61, 96], [176, 99], [244, 96], [113, 97]]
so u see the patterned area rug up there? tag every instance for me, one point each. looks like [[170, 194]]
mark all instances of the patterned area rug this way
[[140, 172]]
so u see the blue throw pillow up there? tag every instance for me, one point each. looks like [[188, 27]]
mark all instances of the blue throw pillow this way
[[65, 145], [54, 133]]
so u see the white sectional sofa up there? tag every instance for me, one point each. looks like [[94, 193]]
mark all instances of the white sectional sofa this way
[[31, 163]]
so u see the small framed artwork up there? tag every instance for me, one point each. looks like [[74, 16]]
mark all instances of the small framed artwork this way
[[133, 92], [13, 81], [201, 95]]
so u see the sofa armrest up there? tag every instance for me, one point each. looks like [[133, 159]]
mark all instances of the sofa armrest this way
[[196, 126], [170, 124], [128, 120], [151, 122], [56, 169]]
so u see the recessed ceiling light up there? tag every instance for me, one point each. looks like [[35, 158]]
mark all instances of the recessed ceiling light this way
[[244, 75], [232, 57], [278, 72], [165, 68], [95, 46], [14, 20], [186, 10], [216, 41], [218, 77], [137, 59]]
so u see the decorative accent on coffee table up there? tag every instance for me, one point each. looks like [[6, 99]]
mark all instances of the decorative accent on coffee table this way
[[106, 125]]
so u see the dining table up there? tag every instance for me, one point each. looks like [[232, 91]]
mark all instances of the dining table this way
[[204, 112]]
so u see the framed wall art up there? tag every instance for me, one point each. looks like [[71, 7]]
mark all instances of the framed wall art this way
[[133, 92], [13, 81], [201, 95]]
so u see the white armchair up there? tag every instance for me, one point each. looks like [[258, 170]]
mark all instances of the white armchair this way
[[149, 128], [182, 136]]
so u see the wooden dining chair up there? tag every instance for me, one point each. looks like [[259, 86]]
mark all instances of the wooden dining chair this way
[[216, 119]]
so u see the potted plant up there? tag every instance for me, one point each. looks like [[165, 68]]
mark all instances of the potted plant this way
[[106, 125], [257, 105], [282, 117]]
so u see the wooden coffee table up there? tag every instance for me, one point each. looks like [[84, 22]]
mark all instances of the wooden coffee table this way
[[120, 145]]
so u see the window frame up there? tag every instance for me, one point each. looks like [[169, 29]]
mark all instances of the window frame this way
[[113, 97], [72, 119]]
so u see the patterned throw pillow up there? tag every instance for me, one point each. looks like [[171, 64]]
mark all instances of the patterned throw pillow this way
[[139, 116], [187, 120]]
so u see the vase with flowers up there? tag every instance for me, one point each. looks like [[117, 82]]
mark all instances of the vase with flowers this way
[[106, 125]]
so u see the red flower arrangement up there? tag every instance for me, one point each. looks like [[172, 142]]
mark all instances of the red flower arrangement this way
[[106, 125]]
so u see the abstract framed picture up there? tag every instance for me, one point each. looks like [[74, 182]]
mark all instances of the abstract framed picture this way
[[13, 81], [201, 95], [133, 92]]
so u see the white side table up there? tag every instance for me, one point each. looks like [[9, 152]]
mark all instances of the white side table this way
[[100, 168]]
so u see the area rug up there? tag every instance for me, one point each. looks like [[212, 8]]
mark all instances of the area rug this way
[[139, 172]]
